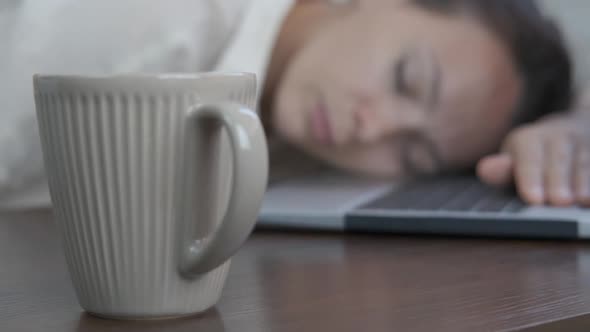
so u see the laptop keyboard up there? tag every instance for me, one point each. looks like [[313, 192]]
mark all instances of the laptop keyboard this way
[[448, 194]]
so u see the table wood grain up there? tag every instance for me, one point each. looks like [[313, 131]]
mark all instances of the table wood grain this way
[[285, 281]]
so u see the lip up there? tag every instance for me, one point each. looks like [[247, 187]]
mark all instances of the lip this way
[[320, 125]]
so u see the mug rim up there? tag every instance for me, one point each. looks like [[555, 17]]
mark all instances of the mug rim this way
[[144, 76]]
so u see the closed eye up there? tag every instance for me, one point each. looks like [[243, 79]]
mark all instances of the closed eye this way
[[400, 79], [417, 76]]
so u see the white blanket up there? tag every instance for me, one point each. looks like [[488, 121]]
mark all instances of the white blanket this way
[[113, 36]]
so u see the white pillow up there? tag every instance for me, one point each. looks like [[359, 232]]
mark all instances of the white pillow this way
[[21, 160]]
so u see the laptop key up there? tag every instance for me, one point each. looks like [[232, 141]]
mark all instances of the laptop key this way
[[442, 193], [498, 201], [515, 205], [403, 198], [467, 200], [448, 194]]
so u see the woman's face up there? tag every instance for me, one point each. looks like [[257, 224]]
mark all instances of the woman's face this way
[[391, 89]]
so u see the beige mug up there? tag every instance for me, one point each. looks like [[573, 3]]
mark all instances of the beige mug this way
[[156, 181]]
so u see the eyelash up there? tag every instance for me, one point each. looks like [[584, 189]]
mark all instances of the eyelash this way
[[401, 85]]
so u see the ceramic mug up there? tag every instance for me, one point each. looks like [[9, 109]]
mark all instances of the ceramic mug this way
[[156, 181]]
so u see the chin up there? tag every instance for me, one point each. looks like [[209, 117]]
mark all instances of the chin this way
[[360, 164], [376, 173]]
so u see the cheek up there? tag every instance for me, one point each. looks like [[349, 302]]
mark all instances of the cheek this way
[[476, 132], [476, 121], [288, 113]]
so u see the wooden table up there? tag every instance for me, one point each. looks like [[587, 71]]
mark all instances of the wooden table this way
[[323, 282]]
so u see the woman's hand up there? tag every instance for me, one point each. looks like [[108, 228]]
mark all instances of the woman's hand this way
[[549, 162]]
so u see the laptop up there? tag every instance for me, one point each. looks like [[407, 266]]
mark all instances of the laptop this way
[[450, 205]]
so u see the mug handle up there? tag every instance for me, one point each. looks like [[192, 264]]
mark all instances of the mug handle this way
[[250, 176]]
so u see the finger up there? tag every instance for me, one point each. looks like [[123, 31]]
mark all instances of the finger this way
[[582, 174], [528, 173], [496, 170], [558, 170]]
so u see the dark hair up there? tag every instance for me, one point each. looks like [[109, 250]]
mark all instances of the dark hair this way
[[537, 47]]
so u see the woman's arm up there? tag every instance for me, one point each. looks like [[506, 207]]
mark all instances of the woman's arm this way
[[549, 160]]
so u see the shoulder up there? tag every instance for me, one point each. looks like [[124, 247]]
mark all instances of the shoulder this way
[[255, 32], [124, 35]]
